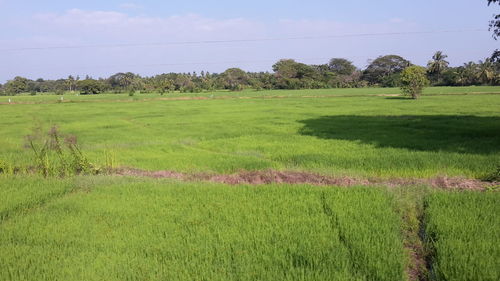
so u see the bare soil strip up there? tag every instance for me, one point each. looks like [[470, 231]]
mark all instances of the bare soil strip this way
[[294, 177], [417, 270]]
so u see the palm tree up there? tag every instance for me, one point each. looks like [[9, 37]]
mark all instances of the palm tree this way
[[461, 77], [471, 73], [486, 71], [437, 65]]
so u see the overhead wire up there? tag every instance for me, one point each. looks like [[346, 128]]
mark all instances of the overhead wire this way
[[232, 41]]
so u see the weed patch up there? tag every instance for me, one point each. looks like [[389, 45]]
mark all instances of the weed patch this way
[[56, 154]]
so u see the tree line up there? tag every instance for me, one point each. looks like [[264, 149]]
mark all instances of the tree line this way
[[384, 71]]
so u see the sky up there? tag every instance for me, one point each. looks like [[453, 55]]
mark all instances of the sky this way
[[54, 39]]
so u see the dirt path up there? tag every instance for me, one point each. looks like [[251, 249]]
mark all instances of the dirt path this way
[[294, 177]]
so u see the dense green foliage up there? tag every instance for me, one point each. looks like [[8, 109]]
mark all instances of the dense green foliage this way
[[413, 81], [90, 87], [359, 134], [173, 231], [385, 70], [463, 230], [287, 74], [437, 66]]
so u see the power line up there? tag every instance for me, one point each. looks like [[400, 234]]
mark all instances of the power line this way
[[230, 62], [159, 44], [186, 63]]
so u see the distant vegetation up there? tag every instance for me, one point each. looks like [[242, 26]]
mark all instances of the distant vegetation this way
[[385, 71]]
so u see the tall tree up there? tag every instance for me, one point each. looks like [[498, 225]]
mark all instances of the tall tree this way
[[71, 83], [486, 72], [383, 70], [234, 79], [17, 85], [495, 27], [495, 22], [470, 73], [122, 81], [293, 75], [437, 65], [341, 66], [90, 87]]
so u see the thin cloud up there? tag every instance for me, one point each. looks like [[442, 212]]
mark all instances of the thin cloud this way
[[114, 25], [77, 27], [396, 20], [131, 6]]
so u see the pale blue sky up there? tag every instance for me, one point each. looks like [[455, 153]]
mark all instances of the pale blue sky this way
[[28, 24]]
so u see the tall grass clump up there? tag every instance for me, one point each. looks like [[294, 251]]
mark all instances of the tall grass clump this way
[[6, 168], [463, 235], [495, 176], [55, 154]]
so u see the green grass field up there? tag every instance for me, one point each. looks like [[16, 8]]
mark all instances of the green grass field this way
[[174, 231], [370, 136], [463, 230], [109, 228], [75, 97], [123, 228]]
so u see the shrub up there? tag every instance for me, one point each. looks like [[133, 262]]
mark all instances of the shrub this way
[[57, 155], [413, 80]]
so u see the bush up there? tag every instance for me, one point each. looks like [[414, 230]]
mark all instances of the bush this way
[[57, 155], [413, 80], [90, 87]]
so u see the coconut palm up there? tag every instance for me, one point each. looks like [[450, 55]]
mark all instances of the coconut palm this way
[[461, 76], [486, 71], [437, 65], [471, 70]]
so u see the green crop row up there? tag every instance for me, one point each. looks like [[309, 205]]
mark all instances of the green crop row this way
[[174, 231], [110, 228], [463, 233]]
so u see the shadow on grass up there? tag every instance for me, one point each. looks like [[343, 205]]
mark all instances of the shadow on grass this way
[[462, 134]]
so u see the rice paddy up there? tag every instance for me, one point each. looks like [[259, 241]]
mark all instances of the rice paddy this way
[[110, 227]]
